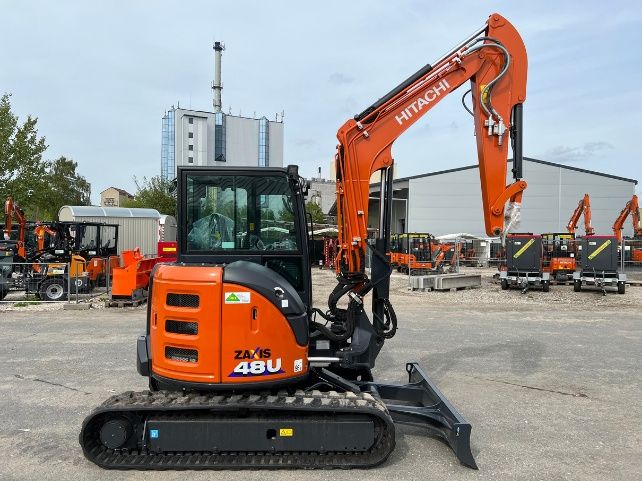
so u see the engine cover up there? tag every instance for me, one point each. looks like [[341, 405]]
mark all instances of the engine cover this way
[[207, 333]]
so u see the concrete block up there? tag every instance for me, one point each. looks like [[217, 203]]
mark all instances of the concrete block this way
[[446, 282]]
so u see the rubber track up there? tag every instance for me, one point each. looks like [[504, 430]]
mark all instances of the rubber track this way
[[165, 403]]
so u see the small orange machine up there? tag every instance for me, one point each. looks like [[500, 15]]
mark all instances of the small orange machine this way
[[130, 277], [412, 252]]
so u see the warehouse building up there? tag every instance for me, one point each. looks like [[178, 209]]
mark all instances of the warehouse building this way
[[449, 201]]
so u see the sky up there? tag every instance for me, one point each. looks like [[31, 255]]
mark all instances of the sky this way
[[100, 75]]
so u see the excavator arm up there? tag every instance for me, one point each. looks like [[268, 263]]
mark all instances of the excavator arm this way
[[40, 230], [632, 208], [494, 60], [11, 210], [583, 207]]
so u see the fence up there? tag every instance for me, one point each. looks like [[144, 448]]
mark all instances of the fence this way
[[65, 282]]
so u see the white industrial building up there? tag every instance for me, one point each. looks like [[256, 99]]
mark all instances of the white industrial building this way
[[194, 137], [449, 201], [202, 138]]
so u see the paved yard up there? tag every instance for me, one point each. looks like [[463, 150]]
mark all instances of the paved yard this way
[[552, 388]]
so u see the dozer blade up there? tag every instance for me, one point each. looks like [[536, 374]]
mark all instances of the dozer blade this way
[[421, 403]]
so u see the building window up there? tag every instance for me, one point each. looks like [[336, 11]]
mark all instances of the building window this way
[[190, 120], [168, 158], [190, 160], [264, 142], [190, 135], [190, 147], [219, 137], [109, 202]]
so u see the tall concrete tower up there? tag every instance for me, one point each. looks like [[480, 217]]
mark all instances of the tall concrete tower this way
[[217, 85]]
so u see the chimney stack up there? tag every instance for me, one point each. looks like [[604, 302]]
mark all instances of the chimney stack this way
[[217, 86]]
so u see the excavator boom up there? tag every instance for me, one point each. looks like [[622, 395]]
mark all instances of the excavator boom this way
[[494, 61], [583, 207], [631, 208], [11, 210]]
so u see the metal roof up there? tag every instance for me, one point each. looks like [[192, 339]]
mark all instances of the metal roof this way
[[529, 159], [95, 211]]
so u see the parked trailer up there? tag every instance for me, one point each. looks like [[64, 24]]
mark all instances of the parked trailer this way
[[600, 267], [524, 263]]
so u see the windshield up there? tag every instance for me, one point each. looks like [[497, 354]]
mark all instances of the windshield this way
[[240, 212]]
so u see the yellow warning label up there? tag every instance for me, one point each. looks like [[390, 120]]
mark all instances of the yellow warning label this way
[[521, 251], [596, 252], [484, 96], [286, 432]]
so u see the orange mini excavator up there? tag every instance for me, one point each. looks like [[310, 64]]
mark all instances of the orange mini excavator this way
[[631, 208], [243, 371], [560, 248]]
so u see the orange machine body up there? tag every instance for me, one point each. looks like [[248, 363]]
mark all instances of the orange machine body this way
[[561, 264], [560, 251], [404, 250], [132, 275], [232, 335]]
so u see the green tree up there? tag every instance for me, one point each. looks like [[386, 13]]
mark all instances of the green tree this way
[[40, 187], [22, 170], [316, 212], [154, 193], [64, 187]]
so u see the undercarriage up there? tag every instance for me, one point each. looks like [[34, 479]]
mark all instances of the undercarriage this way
[[334, 423]]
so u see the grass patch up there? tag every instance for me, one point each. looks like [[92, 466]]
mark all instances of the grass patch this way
[[25, 304]]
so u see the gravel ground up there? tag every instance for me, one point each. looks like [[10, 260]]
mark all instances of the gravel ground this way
[[489, 293], [552, 394]]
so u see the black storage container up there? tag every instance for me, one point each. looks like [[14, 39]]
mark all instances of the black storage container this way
[[599, 253], [524, 253]]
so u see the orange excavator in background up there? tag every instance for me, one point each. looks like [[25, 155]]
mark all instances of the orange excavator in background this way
[[243, 371], [560, 250], [631, 208], [11, 210], [583, 207], [412, 252], [446, 254], [40, 231], [11, 250]]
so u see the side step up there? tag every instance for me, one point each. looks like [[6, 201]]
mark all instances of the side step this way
[[421, 403]]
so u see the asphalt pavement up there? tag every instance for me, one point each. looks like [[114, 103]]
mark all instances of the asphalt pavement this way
[[552, 393]]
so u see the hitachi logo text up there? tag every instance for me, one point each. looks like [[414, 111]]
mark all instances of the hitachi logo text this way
[[421, 102]]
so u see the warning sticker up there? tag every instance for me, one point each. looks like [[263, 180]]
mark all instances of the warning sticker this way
[[597, 251], [298, 365], [237, 298], [521, 251], [286, 432]]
